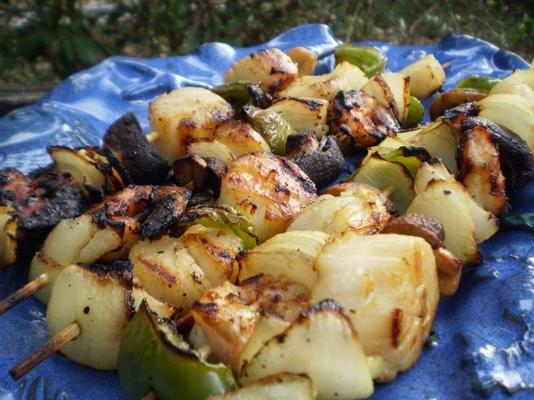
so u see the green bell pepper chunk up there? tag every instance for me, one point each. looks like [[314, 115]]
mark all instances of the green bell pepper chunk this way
[[416, 111], [477, 82], [240, 93], [271, 126], [369, 59], [411, 157], [223, 217], [154, 357]]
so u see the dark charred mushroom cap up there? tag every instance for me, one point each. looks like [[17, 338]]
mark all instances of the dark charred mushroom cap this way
[[324, 164], [140, 158], [517, 162], [199, 174], [170, 204], [419, 225], [456, 115]]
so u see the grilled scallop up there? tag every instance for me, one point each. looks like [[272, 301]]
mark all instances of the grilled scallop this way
[[388, 286], [361, 118], [184, 115], [178, 270], [268, 190], [272, 68]]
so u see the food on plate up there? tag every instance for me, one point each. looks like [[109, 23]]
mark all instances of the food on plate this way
[[268, 190], [271, 68], [283, 235], [360, 118], [184, 115], [153, 353], [426, 76], [369, 59]]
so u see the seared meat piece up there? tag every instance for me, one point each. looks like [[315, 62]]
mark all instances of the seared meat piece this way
[[149, 210], [360, 117], [41, 203]]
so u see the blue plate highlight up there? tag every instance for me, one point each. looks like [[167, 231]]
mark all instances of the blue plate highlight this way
[[485, 333]]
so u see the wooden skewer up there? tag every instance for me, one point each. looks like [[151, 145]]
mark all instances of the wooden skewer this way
[[70, 332], [26, 291]]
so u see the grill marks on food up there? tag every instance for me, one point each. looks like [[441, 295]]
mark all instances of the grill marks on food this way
[[149, 210], [42, 202], [361, 117]]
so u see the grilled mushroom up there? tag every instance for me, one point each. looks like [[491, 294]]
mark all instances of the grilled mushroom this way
[[199, 174], [430, 229], [321, 161], [142, 161]]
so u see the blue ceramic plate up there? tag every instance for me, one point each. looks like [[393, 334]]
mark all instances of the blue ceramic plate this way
[[485, 334]]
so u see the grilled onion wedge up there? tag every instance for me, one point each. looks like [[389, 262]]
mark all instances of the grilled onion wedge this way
[[511, 111], [8, 236], [289, 255], [388, 286], [71, 241], [99, 301], [268, 190], [358, 207], [89, 167], [322, 344], [426, 76]]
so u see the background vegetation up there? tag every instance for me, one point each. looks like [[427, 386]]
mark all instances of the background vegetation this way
[[47, 40]]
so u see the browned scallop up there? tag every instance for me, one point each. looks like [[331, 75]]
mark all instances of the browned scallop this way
[[272, 68], [361, 118], [268, 190]]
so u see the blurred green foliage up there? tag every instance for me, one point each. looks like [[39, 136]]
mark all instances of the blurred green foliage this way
[[45, 40]]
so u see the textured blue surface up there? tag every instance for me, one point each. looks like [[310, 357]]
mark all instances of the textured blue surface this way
[[485, 344]]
